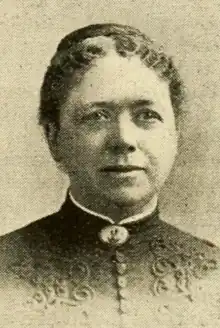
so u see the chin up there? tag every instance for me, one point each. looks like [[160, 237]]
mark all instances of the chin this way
[[129, 196]]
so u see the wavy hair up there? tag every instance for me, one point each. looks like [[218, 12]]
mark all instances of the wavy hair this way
[[76, 53]]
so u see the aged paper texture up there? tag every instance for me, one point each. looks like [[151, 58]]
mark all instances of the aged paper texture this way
[[109, 157]]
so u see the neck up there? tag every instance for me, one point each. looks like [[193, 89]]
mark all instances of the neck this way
[[115, 211]]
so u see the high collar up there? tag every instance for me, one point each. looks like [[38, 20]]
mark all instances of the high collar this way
[[72, 228], [134, 218], [84, 223]]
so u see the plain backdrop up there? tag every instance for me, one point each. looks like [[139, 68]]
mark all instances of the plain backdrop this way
[[30, 184]]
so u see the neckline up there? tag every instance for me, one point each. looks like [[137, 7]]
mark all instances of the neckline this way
[[85, 223], [131, 219]]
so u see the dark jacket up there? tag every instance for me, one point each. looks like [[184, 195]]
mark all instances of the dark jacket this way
[[58, 272]]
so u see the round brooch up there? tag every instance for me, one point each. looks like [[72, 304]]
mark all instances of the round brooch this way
[[114, 235]]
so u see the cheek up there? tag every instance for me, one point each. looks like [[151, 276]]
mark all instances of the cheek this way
[[161, 147], [167, 153], [77, 146]]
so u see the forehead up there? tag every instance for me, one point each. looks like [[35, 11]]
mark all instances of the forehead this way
[[114, 78]]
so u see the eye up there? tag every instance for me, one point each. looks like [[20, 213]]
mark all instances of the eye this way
[[96, 116], [148, 115]]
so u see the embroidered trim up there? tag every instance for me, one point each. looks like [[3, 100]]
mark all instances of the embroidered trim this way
[[174, 269], [62, 293], [56, 280]]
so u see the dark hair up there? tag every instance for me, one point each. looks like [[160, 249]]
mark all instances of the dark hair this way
[[76, 52]]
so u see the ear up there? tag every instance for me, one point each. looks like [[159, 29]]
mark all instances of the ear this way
[[51, 133]]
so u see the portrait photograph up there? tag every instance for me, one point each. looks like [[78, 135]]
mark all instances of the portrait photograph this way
[[109, 157]]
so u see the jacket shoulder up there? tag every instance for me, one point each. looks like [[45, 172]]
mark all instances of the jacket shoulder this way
[[186, 256], [186, 241], [15, 246]]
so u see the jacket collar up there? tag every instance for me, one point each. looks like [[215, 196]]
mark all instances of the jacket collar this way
[[84, 223], [134, 218]]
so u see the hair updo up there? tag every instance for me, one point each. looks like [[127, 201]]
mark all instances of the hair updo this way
[[76, 53]]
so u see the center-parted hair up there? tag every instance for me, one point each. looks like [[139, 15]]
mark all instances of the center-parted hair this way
[[77, 51]]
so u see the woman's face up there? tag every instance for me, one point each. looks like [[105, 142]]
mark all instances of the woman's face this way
[[117, 135]]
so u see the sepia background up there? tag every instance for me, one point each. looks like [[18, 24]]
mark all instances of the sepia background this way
[[30, 185]]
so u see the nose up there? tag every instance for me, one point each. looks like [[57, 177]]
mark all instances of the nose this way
[[122, 138]]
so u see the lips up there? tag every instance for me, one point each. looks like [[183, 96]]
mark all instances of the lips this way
[[121, 168]]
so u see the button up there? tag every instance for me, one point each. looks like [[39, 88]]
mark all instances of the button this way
[[124, 306], [114, 235], [123, 293], [121, 268], [122, 282], [119, 257]]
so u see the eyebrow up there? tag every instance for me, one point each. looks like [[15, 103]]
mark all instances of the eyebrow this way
[[142, 102], [132, 103]]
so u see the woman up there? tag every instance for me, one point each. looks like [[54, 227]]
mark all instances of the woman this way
[[110, 104]]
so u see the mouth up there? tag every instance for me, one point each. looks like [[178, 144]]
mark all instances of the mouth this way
[[121, 168]]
